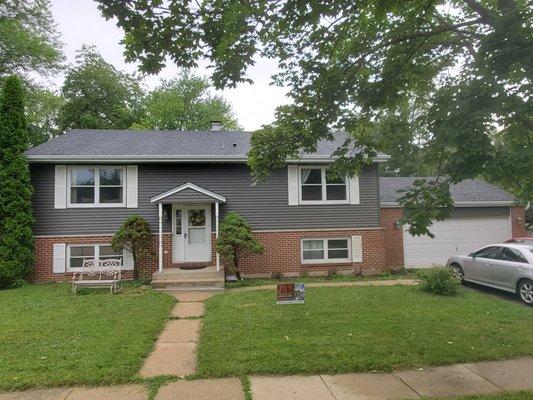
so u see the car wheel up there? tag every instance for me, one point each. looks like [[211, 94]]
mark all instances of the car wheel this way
[[525, 291], [458, 272]]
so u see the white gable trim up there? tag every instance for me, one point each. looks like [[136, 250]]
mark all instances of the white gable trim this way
[[188, 185]]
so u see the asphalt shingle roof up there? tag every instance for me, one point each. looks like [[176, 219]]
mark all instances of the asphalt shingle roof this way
[[102, 142], [470, 190]]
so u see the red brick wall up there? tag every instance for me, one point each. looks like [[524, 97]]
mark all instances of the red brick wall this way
[[518, 218], [382, 249], [393, 237], [282, 253]]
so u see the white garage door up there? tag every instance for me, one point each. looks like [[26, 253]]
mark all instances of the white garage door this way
[[452, 237]]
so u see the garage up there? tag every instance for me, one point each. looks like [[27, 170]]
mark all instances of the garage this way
[[456, 235], [481, 216]]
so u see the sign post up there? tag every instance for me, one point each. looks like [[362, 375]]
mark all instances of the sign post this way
[[290, 293]]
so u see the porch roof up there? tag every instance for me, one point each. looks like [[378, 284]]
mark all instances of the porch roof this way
[[188, 193]]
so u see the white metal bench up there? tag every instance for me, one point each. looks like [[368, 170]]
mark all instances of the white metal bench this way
[[105, 273]]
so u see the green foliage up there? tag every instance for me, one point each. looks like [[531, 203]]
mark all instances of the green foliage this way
[[465, 68], [97, 96], [422, 206], [234, 240], [134, 235], [185, 103], [29, 41], [16, 220], [92, 339], [42, 113], [441, 281]]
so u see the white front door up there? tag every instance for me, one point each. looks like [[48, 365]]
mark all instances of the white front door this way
[[191, 233]]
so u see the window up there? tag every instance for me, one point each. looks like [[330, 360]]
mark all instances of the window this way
[[317, 186], [325, 250], [78, 253], [96, 187], [509, 254], [488, 252]]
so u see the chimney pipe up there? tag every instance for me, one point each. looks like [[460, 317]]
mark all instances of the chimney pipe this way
[[216, 126]]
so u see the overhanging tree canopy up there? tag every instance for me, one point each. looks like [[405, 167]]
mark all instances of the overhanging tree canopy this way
[[347, 63]]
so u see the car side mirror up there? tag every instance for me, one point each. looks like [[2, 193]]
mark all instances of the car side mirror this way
[[473, 255]]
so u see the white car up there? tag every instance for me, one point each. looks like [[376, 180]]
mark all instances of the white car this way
[[505, 266]]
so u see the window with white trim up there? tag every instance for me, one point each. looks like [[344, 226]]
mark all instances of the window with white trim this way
[[96, 186], [317, 186], [325, 250], [99, 252]]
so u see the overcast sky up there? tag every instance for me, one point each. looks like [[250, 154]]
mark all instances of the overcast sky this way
[[80, 22]]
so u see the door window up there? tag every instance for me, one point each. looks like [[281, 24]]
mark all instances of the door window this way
[[178, 222], [196, 226], [488, 252], [509, 254]]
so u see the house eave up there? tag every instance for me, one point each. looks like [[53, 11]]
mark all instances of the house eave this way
[[37, 158], [494, 203]]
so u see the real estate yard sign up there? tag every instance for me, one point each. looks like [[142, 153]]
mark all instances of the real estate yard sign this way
[[290, 293]]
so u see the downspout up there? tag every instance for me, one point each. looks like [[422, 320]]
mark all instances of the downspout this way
[[216, 233], [160, 238]]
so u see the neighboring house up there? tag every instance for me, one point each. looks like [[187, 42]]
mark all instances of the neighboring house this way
[[87, 182]]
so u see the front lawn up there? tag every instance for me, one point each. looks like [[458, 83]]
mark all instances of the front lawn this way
[[352, 329], [49, 337]]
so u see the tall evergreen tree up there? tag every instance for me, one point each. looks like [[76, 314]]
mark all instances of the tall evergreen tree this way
[[16, 220]]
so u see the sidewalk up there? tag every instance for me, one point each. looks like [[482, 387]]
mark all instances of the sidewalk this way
[[447, 381]]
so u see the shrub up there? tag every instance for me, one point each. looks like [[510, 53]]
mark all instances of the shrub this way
[[134, 235], [332, 273], [277, 275], [439, 281], [234, 240], [16, 219]]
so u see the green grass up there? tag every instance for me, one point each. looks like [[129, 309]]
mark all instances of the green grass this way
[[49, 337], [402, 274], [352, 329]]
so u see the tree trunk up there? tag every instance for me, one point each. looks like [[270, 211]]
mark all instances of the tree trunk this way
[[135, 266]]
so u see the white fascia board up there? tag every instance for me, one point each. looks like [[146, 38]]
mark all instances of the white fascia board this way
[[36, 158], [188, 185], [502, 203]]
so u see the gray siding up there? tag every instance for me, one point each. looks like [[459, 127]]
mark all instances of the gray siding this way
[[265, 205]]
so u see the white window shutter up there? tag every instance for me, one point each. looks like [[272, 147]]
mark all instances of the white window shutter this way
[[60, 187], [357, 249], [59, 258], [128, 260], [354, 190], [292, 178], [132, 172]]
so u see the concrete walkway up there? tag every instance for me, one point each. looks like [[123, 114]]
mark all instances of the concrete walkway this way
[[447, 381], [385, 282], [175, 349]]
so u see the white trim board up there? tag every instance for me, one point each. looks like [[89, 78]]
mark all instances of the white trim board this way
[[188, 185], [502, 203], [35, 158]]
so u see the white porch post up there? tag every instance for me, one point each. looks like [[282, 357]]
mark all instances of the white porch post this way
[[216, 233], [160, 237]]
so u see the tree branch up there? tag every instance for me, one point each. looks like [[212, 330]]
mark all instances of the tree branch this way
[[480, 10]]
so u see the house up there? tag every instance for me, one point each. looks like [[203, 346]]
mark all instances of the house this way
[[87, 182]]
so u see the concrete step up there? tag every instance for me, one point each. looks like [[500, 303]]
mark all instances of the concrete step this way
[[187, 283], [170, 290], [179, 275]]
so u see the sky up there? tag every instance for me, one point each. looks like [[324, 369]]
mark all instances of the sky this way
[[80, 22]]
